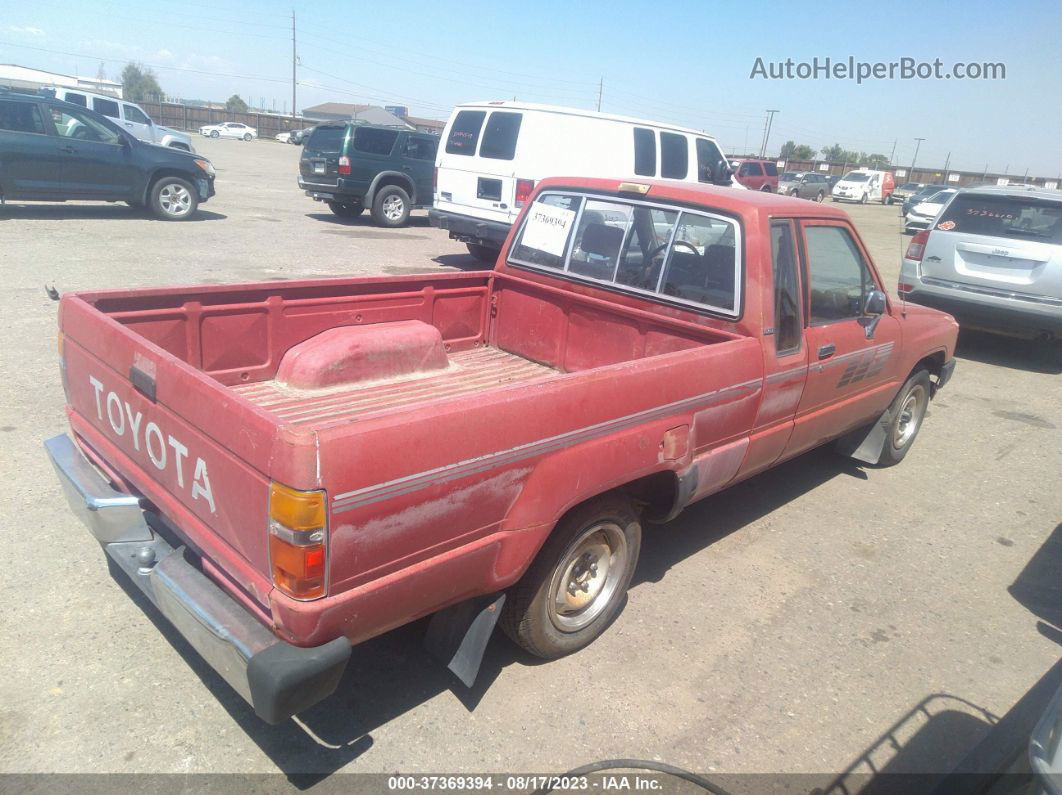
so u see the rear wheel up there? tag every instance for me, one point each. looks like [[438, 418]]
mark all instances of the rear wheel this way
[[390, 207], [863, 199], [907, 410], [173, 199], [247, 136], [766, 188], [577, 583], [346, 210], [485, 254], [820, 197]]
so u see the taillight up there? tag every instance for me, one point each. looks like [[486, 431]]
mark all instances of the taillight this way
[[297, 537], [918, 246], [523, 191], [344, 165]]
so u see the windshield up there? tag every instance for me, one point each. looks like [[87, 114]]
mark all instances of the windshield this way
[[940, 197], [856, 176], [1004, 216], [910, 186]]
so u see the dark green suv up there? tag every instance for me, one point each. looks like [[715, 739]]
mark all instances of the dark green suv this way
[[351, 167], [58, 151]]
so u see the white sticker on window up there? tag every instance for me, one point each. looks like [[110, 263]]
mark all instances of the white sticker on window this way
[[547, 228]]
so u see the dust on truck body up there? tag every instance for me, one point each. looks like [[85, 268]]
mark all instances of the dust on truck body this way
[[289, 469]]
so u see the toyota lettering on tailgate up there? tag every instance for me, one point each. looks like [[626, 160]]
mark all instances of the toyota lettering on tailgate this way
[[158, 445]]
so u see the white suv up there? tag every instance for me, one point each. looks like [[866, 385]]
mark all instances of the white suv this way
[[127, 115]]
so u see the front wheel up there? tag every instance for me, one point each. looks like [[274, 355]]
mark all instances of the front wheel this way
[[907, 412], [766, 188], [215, 134], [578, 582], [390, 207], [863, 199], [820, 197], [247, 136], [173, 199]]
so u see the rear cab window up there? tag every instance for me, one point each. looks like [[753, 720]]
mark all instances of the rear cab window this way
[[464, 133], [500, 135], [1018, 217], [672, 254]]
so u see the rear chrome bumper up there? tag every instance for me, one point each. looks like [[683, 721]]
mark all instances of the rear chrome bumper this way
[[275, 677], [468, 229]]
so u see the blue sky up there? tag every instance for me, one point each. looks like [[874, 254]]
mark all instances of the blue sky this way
[[683, 62]]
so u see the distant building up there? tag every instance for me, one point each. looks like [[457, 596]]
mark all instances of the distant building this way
[[364, 114], [24, 77], [432, 126]]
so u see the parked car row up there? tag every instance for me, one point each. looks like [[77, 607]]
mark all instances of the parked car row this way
[[53, 150]]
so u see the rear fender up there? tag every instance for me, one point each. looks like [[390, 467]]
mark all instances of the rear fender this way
[[390, 177]]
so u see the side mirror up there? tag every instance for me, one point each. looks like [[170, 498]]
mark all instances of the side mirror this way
[[873, 309]]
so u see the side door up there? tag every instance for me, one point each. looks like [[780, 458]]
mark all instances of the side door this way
[[137, 123], [97, 161], [418, 161], [785, 352], [852, 377], [371, 151], [30, 163]]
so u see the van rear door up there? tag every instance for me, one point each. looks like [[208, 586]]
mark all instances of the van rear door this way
[[476, 166], [1003, 242]]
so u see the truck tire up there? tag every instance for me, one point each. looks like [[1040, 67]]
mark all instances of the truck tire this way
[[578, 581], [485, 254], [346, 210], [173, 199], [390, 207], [907, 411]]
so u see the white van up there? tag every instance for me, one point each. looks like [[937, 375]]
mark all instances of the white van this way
[[127, 115], [493, 154], [863, 185]]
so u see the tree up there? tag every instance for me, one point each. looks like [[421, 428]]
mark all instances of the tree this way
[[833, 154], [235, 104], [101, 73], [140, 84], [877, 161], [794, 151]]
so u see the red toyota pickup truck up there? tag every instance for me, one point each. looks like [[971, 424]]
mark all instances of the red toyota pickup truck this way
[[287, 469]]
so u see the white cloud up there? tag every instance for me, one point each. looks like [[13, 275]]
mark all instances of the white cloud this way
[[163, 55], [25, 31]]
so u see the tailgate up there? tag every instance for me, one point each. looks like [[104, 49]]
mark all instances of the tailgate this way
[[1001, 242], [177, 436]]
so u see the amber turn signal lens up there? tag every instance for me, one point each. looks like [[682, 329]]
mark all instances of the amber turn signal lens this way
[[297, 541], [298, 511]]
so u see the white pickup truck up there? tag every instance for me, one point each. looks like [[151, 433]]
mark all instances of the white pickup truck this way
[[127, 115]]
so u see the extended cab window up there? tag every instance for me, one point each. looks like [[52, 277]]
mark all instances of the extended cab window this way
[[374, 142], [787, 326], [644, 152], [840, 278], [421, 148], [500, 134], [22, 117], [683, 256], [464, 134], [107, 107], [674, 156]]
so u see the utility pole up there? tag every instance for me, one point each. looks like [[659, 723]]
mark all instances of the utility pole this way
[[600, 91], [767, 129], [293, 63], [918, 145], [892, 155], [947, 162]]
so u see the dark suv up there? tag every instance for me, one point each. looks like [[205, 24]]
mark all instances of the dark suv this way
[[351, 167], [57, 151]]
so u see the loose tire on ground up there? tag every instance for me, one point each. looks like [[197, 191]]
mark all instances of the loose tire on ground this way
[[390, 207], [578, 581], [908, 410], [346, 210], [485, 254], [173, 199]]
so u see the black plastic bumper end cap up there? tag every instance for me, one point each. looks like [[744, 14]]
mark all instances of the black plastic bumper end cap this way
[[286, 679]]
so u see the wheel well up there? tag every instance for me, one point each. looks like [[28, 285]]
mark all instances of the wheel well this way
[[166, 172], [399, 182], [656, 494], [182, 146], [934, 363]]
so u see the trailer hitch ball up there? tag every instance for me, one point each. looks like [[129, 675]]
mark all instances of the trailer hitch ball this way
[[145, 558]]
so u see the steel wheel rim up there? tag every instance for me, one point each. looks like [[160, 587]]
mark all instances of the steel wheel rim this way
[[588, 576], [392, 208], [909, 417], [175, 200]]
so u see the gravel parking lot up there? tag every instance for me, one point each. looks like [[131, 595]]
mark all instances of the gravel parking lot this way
[[783, 626]]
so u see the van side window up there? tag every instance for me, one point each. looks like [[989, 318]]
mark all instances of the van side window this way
[[77, 99], [787, 326], [644, 152], [674, 156], [500, 134], [107, 107], [840, 279], [23, 117], [420, 148], [464, 134], [374, 142], [135, 115]]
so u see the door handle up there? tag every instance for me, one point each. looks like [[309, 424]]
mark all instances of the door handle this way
[[69, 149], [826, 351], [128, 124]]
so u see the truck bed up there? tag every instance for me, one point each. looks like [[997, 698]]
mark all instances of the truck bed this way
[[470, 372]]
